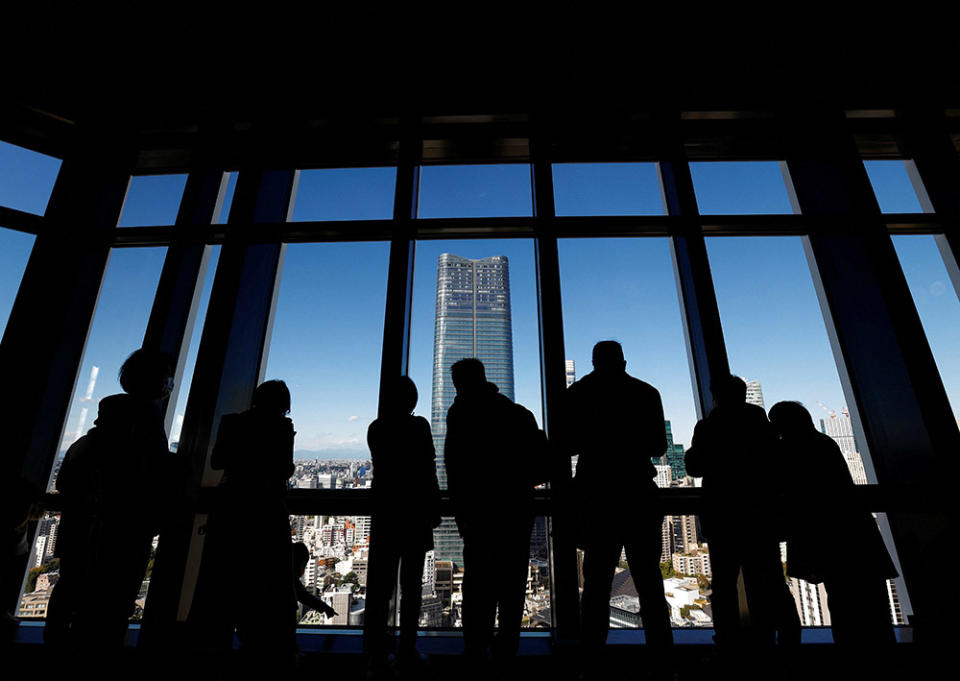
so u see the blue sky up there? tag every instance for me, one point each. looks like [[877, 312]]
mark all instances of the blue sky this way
[[326, 340]]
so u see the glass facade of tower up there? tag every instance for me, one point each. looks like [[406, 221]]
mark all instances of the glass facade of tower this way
[[472, 320]]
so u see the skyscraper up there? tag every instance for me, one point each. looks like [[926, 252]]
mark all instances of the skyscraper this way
[[472, 320], [755, 394], [674, 456], [840, 429], [570, 369]]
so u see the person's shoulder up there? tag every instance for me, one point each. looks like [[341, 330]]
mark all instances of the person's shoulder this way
[[755, 412], [419, 422], [824, 442], [520, 410], [641, 387], [236, 417]]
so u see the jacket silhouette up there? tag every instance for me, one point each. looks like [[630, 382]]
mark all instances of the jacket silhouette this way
[[491, 452], [250, 529], [406, 498], [733, 450], [615, 423], [826, 534], [117, 482]]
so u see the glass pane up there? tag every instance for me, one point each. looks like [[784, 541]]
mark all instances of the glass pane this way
[[893, 187], [624, 290], [473, 298], [26, 178], [776, 339], [326, 345], [740, 188], [345, 194], [475, 191], [937, 304], [607, 189], [183, 390], [119, 323], [15, 248], [152, 200], [775, 334]]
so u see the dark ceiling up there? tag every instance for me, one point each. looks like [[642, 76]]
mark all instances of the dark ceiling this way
[[292, 65]]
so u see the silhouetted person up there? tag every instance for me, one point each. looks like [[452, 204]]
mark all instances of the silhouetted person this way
[[406, 509], [252, 525], [116, 484], [615, 423], [734, 451], [491, 454], [829, 541], [301, 555]]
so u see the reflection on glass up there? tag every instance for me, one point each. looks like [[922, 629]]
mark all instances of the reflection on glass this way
[[475, 191], [152, 200], [607, 189], [740, 188], [937, 304], [183, 390], [123, 309], [892, 186], [326, 345], [345, 194], [15, 250], [26, 178]]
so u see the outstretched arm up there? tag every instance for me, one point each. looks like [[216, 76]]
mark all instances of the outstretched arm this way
[[311, 601]]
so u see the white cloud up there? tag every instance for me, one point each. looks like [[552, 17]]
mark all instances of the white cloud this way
[[353, 418]]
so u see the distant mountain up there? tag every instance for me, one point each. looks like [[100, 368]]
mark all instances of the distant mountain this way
[[333, 453]]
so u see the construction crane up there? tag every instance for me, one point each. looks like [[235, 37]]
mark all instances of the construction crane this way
[[833, 414]]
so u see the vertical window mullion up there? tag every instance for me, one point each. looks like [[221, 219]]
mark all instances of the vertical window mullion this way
[[701, 316], [563, 556], [886, 364]]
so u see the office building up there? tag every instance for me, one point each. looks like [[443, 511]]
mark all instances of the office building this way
[[755, 394], [674, 456], [472, 320], [839, 426]]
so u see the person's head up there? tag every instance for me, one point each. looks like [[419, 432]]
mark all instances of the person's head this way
[[147, 374], [791, 419], [403, 396], [301, 556], [608, 357], [729, 391], [468, 376], [272, 396]]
